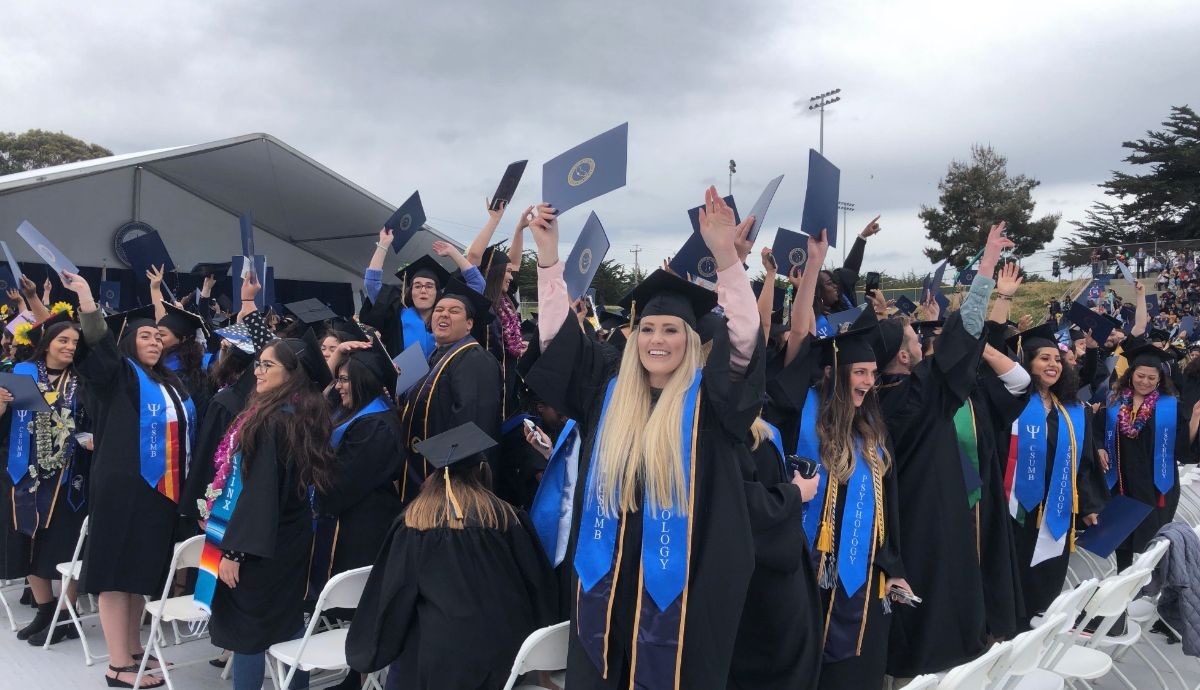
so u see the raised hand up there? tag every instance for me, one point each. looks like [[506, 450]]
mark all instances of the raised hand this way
[[385, 237], [1009, 279], [525, 219], [443, 248], [768, 261], [818, 248], [871, 229], [718, 229], [544, 227], [930, 309], [250, 288], [155, 275], [1025, 323], [497, 213], [28, 287], [997, 243], [741, 238]]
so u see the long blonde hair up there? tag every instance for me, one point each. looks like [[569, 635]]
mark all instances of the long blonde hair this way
[[760, 431], [432, 507], [841, 425], [640, 446]]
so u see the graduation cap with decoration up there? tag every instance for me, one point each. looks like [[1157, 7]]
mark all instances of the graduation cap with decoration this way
[[663, 293], [456, 450]]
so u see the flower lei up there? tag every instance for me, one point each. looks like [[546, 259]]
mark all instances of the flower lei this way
[[1130, 428], [510, 329], [223, 466], [53, 431]]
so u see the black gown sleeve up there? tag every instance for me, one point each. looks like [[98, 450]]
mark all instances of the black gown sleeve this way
[[735, 398], [387, 609], [956, 360], [888, 556], [99, 363], [541, 584], [369, 457], [477, 391], [572, 371], [383, 315], [252, 527], [1090, 484]]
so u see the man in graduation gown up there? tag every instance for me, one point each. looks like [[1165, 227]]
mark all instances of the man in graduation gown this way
[[463, 383], [919, 398]]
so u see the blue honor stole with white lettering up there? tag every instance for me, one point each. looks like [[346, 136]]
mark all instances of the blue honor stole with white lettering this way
[[414, 330], [1028, 468], [1165, 420], [325, 527], [33, 500], [162, 450], [214, 533], [664, 567], [545, 511]]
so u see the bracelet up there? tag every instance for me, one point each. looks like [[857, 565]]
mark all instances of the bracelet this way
[[235, 556], [1001, 295], [381, 246]]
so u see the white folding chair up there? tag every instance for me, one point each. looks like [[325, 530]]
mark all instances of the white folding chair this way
[[7, 587], [326, 650], [70, 573], [976, 674], [1064, 656], [928, 681], [1144, 611], [168, 609], [1021, 671], [1112, 600], [544, 650]]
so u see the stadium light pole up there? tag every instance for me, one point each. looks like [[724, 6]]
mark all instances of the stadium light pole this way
[[818, 103], [844, 207]]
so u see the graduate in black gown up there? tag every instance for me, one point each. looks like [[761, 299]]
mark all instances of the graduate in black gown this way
[[937, 525], [463, 383], [1142, 452], [660, 546], [45, 485], [183, 353], [271, 454], [459, 583], [1053, 479], [141, 417], [355, 511]]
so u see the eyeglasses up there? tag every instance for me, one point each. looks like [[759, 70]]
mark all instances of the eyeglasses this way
[[264, 366], [424, 286], [341, 380]]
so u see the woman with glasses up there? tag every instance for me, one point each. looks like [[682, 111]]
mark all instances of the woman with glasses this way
[[259, 525], [143, 420], [354, 513]]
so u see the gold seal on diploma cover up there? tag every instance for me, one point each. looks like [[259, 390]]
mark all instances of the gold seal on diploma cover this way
[[581, 172]]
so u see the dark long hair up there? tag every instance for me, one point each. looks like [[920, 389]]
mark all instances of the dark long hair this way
[[159, 373], [364, 387], [1165, 385], [1066, 388], [840, 425], [43, 345], [229, 367], [493, 290], [304, 433], [191, 355]]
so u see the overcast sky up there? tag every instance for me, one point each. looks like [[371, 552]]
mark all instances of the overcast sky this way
[[440, 96]]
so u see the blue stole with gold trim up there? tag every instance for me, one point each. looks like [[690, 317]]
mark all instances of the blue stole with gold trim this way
[[663, 570]]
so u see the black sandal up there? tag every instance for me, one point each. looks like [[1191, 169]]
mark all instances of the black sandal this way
[[132, 668]]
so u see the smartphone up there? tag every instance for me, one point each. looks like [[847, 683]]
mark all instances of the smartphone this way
[[83, 437], [805, 467], [904, 596], [537, 435], [872, 281]]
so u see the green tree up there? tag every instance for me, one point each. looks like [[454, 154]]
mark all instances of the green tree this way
[[38, 148], [1103, 225], [1166, 200], [612, 280], [974, 195]]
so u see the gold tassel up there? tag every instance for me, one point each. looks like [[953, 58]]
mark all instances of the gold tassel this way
[[450, 494], [632, 313]]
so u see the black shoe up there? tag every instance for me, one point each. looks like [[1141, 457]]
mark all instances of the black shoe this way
[[64, 631], [1161, 628], [45, 613], [27, 598]]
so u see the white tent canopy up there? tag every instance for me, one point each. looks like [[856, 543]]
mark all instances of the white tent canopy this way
[[311, 223]]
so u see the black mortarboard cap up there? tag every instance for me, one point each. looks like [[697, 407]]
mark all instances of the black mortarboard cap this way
[[1157, 335], [927, 329], [310, 311], [1144, 354], [131, 320], [424, 266], [461, 446], [665, 294], [610, 320], [1033, 339], [492, 255], [223, 301], [478, 306], [376, 361], [854, 345], [887, 340], [181, 322], [218, 270], [348, 329], [308, 351]]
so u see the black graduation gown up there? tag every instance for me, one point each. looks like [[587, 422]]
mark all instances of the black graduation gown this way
[[1040, 584], [468, 390], [520, 467], [383, 315], [363, 497], [54, 539], [1135, 467], [508, 366], [131, 525], [995, 411], [452, 606], [937, 528], [272, 525], [222, 409], [572, 375], [779, 637], [788, 394]]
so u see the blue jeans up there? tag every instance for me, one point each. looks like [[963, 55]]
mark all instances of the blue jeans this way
[[250, 669]]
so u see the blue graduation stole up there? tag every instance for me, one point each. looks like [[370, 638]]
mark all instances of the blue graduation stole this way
[[515, 421], [856, 545], [413, 328], [1030, 471], [214, 534], [154, 434], [19, 450], [1166, 412], [172, 362], [823, 329], [664, 566], [808, 446], [325, 527], [547, 502], [777, 441], [1110, 442], [1031, 454]]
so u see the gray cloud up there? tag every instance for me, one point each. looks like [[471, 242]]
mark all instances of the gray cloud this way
[[440, 96]]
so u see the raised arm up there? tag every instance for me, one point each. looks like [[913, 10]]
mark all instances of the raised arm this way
[[155, 275], [484, 238], [975, 304], [32, 302], [1141, 318], [766, 298], [373, 277], [1007, 284], [517, 248], [804, 321]]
